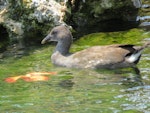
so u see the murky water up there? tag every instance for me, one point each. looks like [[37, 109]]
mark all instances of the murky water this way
[[77, 91]]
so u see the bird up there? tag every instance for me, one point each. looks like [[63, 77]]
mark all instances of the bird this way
[[95, 57]]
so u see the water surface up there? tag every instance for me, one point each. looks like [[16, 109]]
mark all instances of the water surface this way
[[77, 90]]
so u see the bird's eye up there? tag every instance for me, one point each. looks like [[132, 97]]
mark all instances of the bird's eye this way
[[54, 32]]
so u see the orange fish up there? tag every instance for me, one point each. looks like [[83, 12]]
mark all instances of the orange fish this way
[[35, 78], [30, 77], [12, 79], [40, 73]]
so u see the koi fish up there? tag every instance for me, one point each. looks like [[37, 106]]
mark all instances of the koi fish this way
[[12, 79], [31, 77]]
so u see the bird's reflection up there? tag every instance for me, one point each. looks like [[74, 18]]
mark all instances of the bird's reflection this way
[[130, 77], [134, 79]]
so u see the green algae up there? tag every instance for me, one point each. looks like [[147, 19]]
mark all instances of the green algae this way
[[133, 36]]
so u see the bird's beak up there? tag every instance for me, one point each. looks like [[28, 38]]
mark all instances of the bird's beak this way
[[46, 39]]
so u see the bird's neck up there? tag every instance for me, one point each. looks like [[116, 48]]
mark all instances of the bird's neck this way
[[63, 47]]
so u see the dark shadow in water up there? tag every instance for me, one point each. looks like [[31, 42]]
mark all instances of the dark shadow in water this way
[[134, 80], [66, 84], [4, 39], [105, 26]]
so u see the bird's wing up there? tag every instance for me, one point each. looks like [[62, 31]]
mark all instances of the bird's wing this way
[[106, 54]]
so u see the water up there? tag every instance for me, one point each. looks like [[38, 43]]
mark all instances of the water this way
[[145, 15], [77, 90]]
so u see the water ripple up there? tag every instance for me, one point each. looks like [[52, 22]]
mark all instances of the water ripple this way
[[138, 97]]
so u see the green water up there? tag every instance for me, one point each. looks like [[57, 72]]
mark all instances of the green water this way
[[77, 90]]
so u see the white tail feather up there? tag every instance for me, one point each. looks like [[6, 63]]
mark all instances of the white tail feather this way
[[134, 57]]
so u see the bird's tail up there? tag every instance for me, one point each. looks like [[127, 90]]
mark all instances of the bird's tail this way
[[134, 57]]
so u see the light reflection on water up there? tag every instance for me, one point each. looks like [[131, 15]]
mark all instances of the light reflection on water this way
[[139, 96]]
